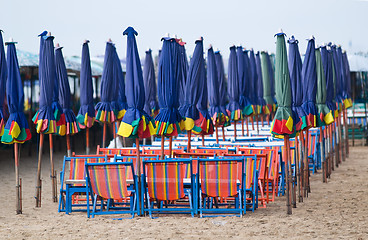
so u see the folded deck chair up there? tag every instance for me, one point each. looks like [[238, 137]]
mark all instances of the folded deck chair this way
[[109, 183], [164, 181]]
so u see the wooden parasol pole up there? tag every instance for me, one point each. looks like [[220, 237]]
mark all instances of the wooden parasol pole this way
[[252, 119], [297, 167], [38, 180], [321, 137], [235, 130], [53, 177], [189, 140], [87, 141], [301, 170], [18, 200], [346, 132], [68, 146], [288, 182], [170, 146], [217, 135], [246, 122], [257, 118], [162, 147], [223, 133], [202, 135], [242, 126], [104, 135], [114, 134]]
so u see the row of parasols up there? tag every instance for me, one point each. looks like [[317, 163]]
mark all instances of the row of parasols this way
[[308, 93]]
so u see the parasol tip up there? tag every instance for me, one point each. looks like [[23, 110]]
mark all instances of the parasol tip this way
[[210, 46], [199, 39], [57, 45], [86, 41], [175, 36], [311, 38], [48, 34], [167, 35], [281, 31], [11, 40], [109, 40]]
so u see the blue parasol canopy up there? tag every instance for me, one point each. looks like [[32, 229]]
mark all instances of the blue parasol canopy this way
[[233, 107], [3, 76], [44, 118], [221, 84], [86, 114], [16, 128], [119, 100], [218, 113], [151, 104], [182, 74], [205, 121], [309, 83], [295, 69], [253, 81], [104, 110], [169, 122], [69, 125], [347, 102], [136, 122]]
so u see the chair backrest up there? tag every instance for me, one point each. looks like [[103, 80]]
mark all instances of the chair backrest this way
[[213, 151], [194, 156], [157, 151], [165, 178], [117, 151], [108, 180], [219, 177], [133, 158]]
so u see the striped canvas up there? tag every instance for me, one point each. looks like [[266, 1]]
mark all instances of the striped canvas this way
[[219, 178], [109, 181], [165, 180], [77, 169]]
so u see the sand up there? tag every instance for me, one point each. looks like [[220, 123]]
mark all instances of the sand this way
[[338, 209]]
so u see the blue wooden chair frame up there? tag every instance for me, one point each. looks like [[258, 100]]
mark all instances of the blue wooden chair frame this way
[[131, 208], [65, 198], [189, 190]]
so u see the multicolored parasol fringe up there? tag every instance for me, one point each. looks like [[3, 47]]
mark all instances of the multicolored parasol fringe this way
[[45, 122], [105, 113], [86, 116], [69, 124], [283, 123], [169, 123], [16, 129], [142, 127], [325, 116]]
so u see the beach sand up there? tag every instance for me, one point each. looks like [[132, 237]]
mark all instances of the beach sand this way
[[338, 209]]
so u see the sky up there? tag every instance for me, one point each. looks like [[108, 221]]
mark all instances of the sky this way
[[221, 23]]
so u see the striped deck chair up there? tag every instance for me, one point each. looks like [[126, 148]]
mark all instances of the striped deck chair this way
[[108, 182], [75, 184], [117, 151], [221, 178], [262, 172], [156, 151], [165, 181], [194, 156], [214, 151], [133, 158]]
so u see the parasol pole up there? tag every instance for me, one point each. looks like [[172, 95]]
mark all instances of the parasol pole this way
[[346, 132], [223, 133], [257, 119], [252, 119], [53, 177], [138, 170], [170, 146], [87, 141], [297, 166], [104, 135], [38, 180], [262, 119], [217, 136], [202, 135], [162, 147], [321, 137], [246, 122], [235, 129], [189, 139], [242, 126], [18, 200], [288, 182], [68, 147], [114, 134], [301, 170]]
